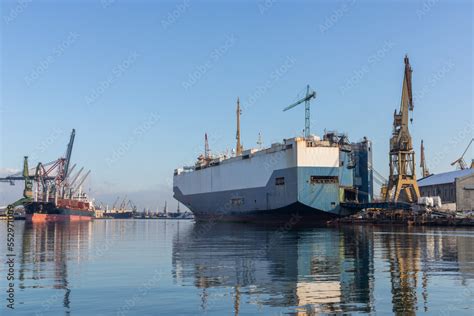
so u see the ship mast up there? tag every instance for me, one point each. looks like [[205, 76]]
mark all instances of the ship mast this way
[[206, 147], [238, 149]]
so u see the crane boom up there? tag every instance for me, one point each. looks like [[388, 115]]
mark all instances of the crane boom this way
[[424, 169], [460, 161], [309, 95], [68, 153], [80, 183], [75, 177]]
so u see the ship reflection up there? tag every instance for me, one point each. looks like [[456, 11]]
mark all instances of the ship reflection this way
[[46, 249], [315, 270]]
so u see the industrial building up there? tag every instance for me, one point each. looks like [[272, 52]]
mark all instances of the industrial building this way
[[456, 187]]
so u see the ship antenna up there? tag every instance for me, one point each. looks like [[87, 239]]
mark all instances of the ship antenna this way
[[206, 147], [259, 141], [238, 149]]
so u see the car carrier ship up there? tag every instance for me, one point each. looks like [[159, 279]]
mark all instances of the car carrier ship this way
[[308, 176]]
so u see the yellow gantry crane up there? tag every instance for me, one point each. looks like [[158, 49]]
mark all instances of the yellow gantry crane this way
[[402, 185]]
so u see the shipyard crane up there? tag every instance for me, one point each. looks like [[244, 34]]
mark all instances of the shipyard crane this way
[[76, 176], [115, 203], [460, 161], [123, 204], [402, 185], [132, 205], [68, 153], [424, 168], [309, 95], [78, 186]]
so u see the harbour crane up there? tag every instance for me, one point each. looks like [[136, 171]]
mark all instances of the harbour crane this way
[[460, 161], [123, 204], [68, 153], [424, 168], [402, 185], [309, 95], [133, 206], [78, 186], [115, 203]]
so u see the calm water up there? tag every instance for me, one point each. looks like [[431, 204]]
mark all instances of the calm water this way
[[120, 267]]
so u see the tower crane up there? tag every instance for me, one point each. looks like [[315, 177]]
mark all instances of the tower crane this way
[[460, 161], [309, 95], [402, 185]]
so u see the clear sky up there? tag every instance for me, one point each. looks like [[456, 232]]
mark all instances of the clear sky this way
[[142, 81]]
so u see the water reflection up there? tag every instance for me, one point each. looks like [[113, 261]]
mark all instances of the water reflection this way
[[320, 270], [45, 252], [217, 268]]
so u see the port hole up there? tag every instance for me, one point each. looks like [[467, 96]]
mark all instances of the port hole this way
[[280, 181], [323, 179]]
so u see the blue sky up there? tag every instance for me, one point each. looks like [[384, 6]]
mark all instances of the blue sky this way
[[141, 82]]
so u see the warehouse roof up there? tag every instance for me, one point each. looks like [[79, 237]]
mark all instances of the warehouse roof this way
[[446, 177]]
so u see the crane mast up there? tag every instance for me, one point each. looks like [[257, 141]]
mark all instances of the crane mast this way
[[307, 118], [424, 169], [402, 185]]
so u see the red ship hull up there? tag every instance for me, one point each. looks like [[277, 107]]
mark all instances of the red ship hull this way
[[56, 218]]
